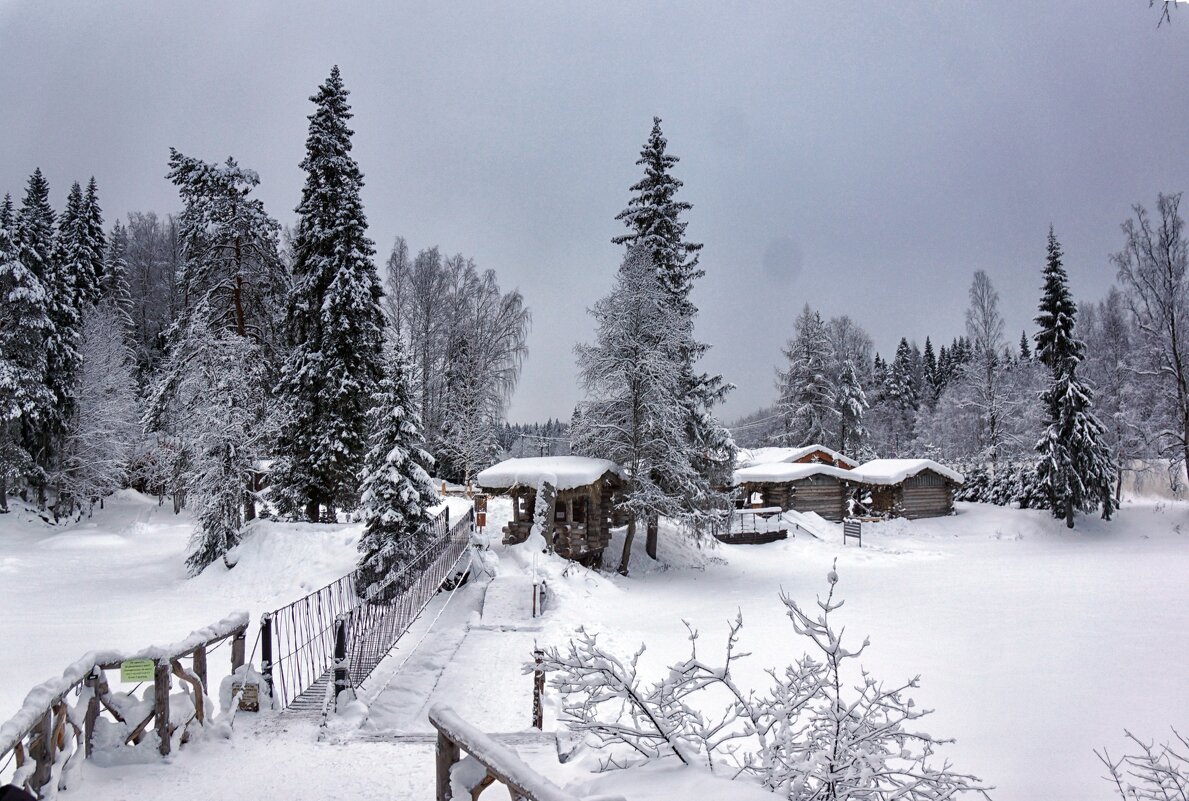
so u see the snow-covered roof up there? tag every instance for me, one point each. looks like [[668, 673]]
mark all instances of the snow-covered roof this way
[[780, 472], [749, 457], [563, 472], [893, 471]]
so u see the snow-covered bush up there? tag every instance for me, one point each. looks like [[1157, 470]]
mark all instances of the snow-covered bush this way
[[812, 735], [1153, 773]]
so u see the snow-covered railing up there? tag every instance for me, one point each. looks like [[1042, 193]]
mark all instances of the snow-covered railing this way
[[334, 629], [487, 762], [755, 526], [36, 738]]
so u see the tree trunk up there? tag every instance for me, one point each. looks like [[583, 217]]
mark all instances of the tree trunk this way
[[249, 502], [312, 510], [1069, 514], [627, 546], [3, 496], [650, 541]]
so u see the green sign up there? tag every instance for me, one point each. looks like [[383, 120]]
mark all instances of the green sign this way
[[137, 670]]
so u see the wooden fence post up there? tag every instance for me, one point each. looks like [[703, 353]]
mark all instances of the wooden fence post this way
[[538, 689], [199, 665], [92, 683], [266, 649], [237, 651], [341, 679], [447, 755], [41, 750], [161, 683]]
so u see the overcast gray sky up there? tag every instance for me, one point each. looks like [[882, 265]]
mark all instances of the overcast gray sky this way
[[863, 157]]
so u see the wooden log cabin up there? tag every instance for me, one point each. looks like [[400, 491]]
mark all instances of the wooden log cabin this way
[[581, 494], [819, 488], [910, 488]]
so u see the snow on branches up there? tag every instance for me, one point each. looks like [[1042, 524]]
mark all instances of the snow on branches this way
[[812, 735]]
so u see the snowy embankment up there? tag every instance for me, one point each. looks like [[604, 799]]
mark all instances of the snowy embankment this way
[[1035, 644], [118, 582]]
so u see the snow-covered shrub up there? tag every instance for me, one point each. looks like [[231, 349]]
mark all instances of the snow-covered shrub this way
[[812, 735], [1153, 773]]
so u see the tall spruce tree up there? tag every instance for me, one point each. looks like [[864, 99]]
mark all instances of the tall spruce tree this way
[[36, 251], [334, 324], [115, 288], [851, 403], [653, 218], [1076, 471], [397, 492], [807, 400], [24, 327]]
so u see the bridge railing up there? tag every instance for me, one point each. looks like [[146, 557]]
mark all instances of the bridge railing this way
[[50, 735], [333, 628]]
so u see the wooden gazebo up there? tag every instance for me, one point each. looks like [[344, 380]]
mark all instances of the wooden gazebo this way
[[580, 494]]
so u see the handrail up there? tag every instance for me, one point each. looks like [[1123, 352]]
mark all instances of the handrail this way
[[45, 714], [504, 766]]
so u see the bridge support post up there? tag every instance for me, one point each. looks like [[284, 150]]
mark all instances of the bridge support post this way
[[266, 649], [341, 679], [538, 689]]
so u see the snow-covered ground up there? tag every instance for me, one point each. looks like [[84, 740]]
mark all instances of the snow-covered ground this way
[[1035, 644]]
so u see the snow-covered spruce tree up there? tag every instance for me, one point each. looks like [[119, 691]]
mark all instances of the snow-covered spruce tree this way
[[334, 324], [24, 327], [81, 244], [633, 378], [115, 288], [806, 391], [212, 400], [106, 422], [36, 251], [653, 217], [397, 492], [851, 403], [1076, 470]]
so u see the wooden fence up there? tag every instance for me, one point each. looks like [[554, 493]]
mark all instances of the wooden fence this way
[[49, 736]]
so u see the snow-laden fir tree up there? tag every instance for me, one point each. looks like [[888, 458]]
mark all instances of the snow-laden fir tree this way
[[24, 327], [36, 250], [805, 387], [397, 492], [81, 244], [930, 388], [633, 377], [115, 288], [1076, 471], [334, 324], [851, 403], [653, 217], [106, 423]]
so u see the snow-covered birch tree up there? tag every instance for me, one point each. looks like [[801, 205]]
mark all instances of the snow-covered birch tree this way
[[1152, 268]]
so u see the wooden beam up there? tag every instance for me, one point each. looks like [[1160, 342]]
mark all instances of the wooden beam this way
[[161, 684], [446, 755]]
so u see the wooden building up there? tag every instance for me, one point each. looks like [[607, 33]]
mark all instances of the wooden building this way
[[910, 488], [797, 486], [580, 493], [809, 454]]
